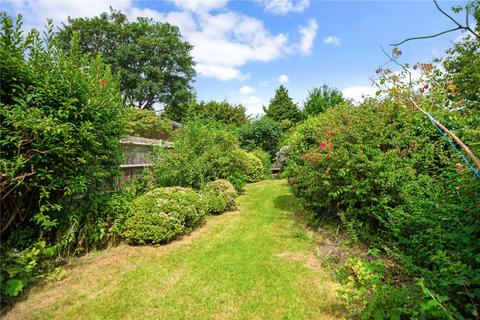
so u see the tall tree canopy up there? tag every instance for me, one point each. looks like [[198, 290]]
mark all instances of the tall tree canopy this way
[[154, 65], [283, 109], [319, 99], [220, 111]]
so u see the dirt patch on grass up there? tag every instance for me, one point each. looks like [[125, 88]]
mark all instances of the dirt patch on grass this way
[[308, 260]]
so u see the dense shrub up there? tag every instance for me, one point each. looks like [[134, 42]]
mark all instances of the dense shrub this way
[[147, 124], [320, 99], [61, 116], [223, 112], [162, 214], [263, 133], [220, 196], [202, 153], [266, 162], [385, 172]]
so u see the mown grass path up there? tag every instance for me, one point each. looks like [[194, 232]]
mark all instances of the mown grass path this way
[[254, 263]]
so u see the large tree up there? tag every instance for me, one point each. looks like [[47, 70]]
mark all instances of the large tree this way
[[153, 63], [282, 109], [320, 99], [220, 111]]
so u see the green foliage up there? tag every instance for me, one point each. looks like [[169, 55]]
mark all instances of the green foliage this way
[[384, 171], [152, 61], [263, 133], [220, 195], [204, 152], [222, 112], [368, 290], [462, 65], [266, 162], [162, 214], [250, 165], [282, 109], [147, 124], [320, 99], [62, 116]]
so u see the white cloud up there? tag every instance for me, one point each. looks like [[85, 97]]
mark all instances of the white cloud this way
[[332, 41], [264, 83], [358, 93], [282, 7], [283, 78], [308, 35], [222, 41], [218, 71], [36, 12], [200, 5], [246, 90], [253, 104], [228, 40]]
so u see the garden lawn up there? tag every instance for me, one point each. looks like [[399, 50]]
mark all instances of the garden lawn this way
[[254, 263]]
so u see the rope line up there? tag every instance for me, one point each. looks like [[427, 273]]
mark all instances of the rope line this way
[[442, 133]]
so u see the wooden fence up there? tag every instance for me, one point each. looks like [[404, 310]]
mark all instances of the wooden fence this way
[[137, 154]]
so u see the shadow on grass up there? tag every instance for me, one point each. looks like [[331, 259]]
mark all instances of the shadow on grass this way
[[286, 203]]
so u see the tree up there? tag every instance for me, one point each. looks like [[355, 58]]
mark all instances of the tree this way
[[320, 99], [283, 109], [263, 133], [147, 124], [153, 63], [220, 111]]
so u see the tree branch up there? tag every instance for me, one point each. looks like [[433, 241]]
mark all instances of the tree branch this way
[[459, 27], [446, 14], [426, 37]]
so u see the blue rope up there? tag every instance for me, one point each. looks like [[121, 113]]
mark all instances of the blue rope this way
[[442, 133]]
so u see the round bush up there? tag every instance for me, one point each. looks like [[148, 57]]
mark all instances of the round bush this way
[[266, 162], [220, 196], [249, 165], [162, 214]]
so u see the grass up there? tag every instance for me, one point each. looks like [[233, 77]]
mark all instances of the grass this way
[[254, 263]]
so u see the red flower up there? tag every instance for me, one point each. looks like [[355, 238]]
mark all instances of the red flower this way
[[323, 145], [104, 82], [329, 133], [426, 85]]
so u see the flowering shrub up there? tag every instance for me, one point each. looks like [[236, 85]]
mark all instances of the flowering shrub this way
[[384, 171]]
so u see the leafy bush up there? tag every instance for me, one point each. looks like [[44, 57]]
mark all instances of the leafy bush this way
[[222, 112], [384, 171], [162, 214], [263, 133], [250, 165], [320, 99], [204, 152], [220, 195], [147, 124], [266, 162], [62, 116]]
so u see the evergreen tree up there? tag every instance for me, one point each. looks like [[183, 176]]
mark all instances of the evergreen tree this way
[[283, 109]]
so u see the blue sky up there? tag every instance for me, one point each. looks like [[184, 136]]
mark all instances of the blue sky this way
[[245, 49]]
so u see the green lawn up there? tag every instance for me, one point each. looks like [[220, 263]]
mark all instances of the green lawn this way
[[255, 263]]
